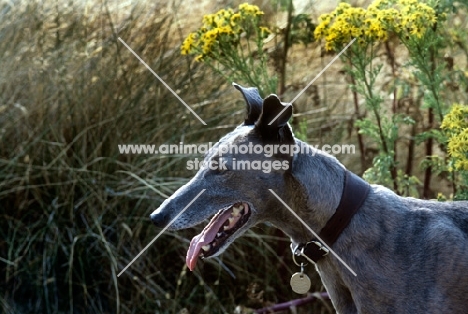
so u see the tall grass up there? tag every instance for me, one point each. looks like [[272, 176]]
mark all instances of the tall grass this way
[[74, 212]]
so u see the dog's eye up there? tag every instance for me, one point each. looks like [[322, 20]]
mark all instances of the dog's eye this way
[[220, 171], [222, 165], [218, 166]]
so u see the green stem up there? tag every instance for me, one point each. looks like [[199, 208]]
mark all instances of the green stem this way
[[362, 148], [373, 101], [428, 67]]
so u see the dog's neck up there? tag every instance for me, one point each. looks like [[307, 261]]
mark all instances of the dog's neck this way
[[316, 190]]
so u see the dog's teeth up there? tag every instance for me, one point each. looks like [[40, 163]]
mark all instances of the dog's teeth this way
[[236, 211], [242, 211], [219, 234], [206, 247], [226, 227], [230, 220]]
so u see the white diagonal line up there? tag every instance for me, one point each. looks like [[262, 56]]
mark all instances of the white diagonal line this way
[[164, 83], [323, 70], [312, 82], [312, 231], [156, 237]]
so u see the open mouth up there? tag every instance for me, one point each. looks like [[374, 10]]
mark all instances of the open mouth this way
[[227, 221]]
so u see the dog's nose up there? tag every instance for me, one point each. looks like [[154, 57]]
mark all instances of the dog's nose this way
[[159, 219]]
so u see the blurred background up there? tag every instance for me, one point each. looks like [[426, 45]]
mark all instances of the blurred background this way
[[74, 212]]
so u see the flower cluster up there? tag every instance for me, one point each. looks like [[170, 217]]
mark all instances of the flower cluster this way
[[455, 124], [403, 17], [223, 31]]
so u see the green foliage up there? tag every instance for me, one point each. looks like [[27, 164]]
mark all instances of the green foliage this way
[[455, 127], [301, 132], [302, 30], [232, 44], [420, 28]]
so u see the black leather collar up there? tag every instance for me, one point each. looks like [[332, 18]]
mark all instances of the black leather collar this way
[[355, 192]]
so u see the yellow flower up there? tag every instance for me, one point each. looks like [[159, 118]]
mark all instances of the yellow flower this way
[[235, 18], [207, 47], [249, 9], [321, 31], [406, 18], [208, 20], [455, 124], [441, 197], [264, 32], [415, 18], [461, 165], [417, 31], [325, 18], [331, 37], [224, 13], [224, 30], [346, 22], [220, 20], [456, 119], [211, 35], [188, 44]]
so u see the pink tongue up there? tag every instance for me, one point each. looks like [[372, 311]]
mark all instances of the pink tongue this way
[[205, 237]]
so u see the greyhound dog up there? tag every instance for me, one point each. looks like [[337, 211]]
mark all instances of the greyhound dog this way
[[408, 255]]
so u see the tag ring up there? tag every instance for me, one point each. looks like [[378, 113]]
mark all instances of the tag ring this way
[[298, 253]]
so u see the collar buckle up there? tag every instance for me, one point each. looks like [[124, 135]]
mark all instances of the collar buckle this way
[[321, 247], [302, 250]]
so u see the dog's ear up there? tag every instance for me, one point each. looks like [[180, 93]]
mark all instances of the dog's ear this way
[[254, 103], [273, 122]]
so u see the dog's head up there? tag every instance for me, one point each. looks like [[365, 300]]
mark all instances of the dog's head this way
[[235, 180]]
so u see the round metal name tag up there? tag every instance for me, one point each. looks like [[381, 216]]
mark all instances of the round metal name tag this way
[[300, 283]]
